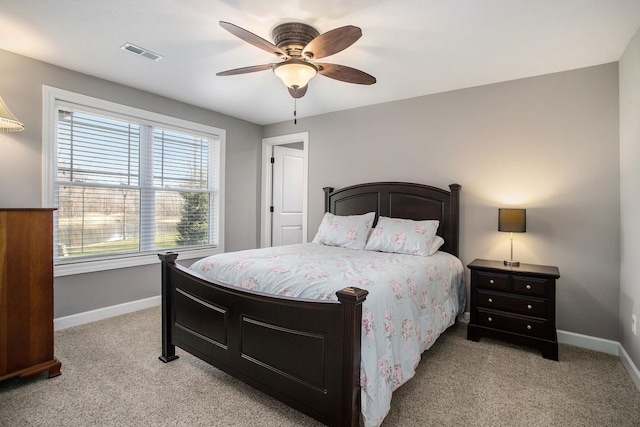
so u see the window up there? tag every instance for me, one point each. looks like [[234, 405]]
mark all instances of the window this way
[[128, 183]]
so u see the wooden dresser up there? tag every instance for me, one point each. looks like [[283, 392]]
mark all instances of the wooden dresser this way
[[517, 304], [26, 293]]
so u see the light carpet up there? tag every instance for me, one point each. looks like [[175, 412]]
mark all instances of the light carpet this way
[[111, 376]]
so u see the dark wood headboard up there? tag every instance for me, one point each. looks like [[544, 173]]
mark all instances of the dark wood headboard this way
[[402, 200]]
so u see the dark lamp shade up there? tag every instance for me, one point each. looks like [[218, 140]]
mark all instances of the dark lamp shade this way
[[512, 220]]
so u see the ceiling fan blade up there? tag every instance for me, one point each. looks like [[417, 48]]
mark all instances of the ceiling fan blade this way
[[345, 74], [332, 42], [253, 39], [245, 70], [298, 93]]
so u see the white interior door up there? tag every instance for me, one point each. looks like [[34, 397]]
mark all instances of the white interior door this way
[[297, 141], [288, 189]]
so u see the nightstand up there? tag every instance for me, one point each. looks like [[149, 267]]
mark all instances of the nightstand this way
[[515, 304]]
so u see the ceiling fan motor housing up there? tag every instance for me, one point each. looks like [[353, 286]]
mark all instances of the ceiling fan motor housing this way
[[292, 37]]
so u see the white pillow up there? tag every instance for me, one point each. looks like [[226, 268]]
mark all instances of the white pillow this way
[[403, 236], [349, 232], [436, 244]]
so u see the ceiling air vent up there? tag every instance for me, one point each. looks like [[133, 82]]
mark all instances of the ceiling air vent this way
[[141, 51]]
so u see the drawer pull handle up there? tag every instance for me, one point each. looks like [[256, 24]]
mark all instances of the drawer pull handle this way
[[528, 286], [529, 306], [490, 300], [528, 326], [491, 281], [490, 319]]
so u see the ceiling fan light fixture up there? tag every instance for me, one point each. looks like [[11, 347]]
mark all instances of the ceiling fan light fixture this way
[[295, 73]]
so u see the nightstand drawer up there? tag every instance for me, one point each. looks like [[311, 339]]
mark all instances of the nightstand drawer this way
[[495, 281], [530, 286], [517, 324], [512, 303]]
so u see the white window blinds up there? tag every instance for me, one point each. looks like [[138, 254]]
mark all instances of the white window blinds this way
[[125, 186]]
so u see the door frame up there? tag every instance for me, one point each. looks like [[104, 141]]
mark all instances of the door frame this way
[[267, 183]]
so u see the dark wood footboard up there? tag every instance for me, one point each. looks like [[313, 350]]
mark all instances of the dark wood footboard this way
[[304, 353]]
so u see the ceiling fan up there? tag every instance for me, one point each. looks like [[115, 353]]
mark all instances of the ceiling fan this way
[[298, 44]]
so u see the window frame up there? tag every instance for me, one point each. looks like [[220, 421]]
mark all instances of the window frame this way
[[51, 97]]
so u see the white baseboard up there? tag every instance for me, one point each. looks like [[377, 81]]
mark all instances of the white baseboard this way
[[589, 342], [104, 313], [605, 346], [631, 367]]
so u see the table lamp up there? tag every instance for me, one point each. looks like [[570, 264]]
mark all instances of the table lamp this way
[[512, 221]]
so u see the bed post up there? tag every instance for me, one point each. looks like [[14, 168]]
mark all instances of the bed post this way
[[455, 217], [327, 191], [351, 300], [168, 349]]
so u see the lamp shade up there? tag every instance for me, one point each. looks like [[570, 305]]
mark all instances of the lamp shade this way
[[295, 73], [512, 220], [8, 122]]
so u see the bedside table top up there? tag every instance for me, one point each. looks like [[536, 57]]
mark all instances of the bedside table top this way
[[543, 270]]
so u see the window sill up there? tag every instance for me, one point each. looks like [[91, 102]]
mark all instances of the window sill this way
[[71, 268]]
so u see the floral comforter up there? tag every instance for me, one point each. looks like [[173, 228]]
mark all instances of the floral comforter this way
[[412, 300]]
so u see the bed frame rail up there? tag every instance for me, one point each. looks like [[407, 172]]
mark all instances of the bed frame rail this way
[[304, 353]]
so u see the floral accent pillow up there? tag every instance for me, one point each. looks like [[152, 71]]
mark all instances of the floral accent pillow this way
[[403, 236], [349, 232]]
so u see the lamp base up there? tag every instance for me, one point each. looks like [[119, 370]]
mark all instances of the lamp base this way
[[512, 263]]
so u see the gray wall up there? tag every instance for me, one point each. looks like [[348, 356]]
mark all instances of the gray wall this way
[[549, 144], [21, 179], [629, 200]]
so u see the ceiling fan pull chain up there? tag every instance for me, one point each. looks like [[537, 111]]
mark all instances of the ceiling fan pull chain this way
[[295, 113]]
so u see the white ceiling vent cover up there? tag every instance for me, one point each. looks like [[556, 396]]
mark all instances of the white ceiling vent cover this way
[[140, 51]]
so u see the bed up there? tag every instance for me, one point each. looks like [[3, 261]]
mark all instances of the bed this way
[[305, 352]]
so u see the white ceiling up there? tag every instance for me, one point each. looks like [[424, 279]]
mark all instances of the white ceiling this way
[[412, 47]]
